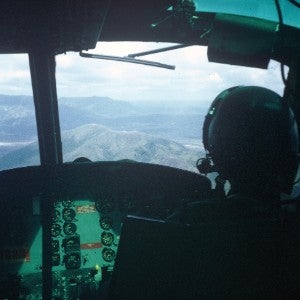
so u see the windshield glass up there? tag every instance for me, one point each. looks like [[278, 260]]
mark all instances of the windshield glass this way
[[18, 132], [114, 110]]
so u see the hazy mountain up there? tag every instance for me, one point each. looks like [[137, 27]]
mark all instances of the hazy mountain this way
[[98, 105], [6, 147], [17, 118], [17, 115], [141, 131], [101, 143], [180, 123], [18, 124], [78, 111]]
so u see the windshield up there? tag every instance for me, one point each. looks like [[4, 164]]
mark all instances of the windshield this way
[[18, 130], [114, 110]]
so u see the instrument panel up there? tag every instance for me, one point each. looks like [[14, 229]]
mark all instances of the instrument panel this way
[[85, 239], [84, 235], [89, 203]]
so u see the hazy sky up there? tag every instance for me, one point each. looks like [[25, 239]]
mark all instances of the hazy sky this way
[[194, 79]]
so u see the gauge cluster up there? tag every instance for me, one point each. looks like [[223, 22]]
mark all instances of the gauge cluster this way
[[85, 233]]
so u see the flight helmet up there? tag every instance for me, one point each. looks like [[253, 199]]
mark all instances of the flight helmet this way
[[251, 136]]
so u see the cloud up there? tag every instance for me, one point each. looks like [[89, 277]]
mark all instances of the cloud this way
[[194, 79], [10, 76], [64, 61]]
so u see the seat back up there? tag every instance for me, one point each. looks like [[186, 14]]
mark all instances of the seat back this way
[[213, 260]]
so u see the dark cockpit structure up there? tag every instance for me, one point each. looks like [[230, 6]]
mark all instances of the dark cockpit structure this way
[[64, 227]]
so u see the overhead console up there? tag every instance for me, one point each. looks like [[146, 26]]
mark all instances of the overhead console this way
[[241, 41]]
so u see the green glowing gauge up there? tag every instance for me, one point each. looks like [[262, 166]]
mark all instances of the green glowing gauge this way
[[67, 203], [106, 222], [104, 207], [69, 228], [68, 214], [55, 259], [71, 243], [55, 230], [107, 238], [55, 245], [56, 216], [108, 254], [105, 204], [72, 261]]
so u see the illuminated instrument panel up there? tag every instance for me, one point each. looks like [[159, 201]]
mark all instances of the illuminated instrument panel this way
[[85, 235], [89, 203]]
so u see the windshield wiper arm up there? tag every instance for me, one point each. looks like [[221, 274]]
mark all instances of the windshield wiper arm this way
[[159, 50], [128, 59]]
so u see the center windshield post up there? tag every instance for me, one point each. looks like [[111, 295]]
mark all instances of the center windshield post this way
[[42, 68]]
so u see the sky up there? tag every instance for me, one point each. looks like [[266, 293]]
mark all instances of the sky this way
[[194, 80]]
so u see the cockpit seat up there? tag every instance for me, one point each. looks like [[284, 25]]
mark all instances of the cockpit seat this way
[[246, 250], [220, 258]]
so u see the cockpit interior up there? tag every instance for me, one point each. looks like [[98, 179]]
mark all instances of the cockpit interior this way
[[89, 228]]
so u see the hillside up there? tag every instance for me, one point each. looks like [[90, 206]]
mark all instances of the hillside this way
[[101, 143], [18, 123], [17, 118], [180, 123]]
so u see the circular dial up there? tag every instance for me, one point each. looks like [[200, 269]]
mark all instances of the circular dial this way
[[55, 230], [104, 205], [72, 261], [104, 208], [67, 203], [55, 245], [68, 214], [71, 243], [106, 222], [56, 216], [55, 259], [108, 254], [69, 228], [107, 238]]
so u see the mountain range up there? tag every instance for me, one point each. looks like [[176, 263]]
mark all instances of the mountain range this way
[[102, 128], [99, 143]]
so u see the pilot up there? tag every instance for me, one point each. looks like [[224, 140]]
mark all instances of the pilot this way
[[251, 139], [250, 135]]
